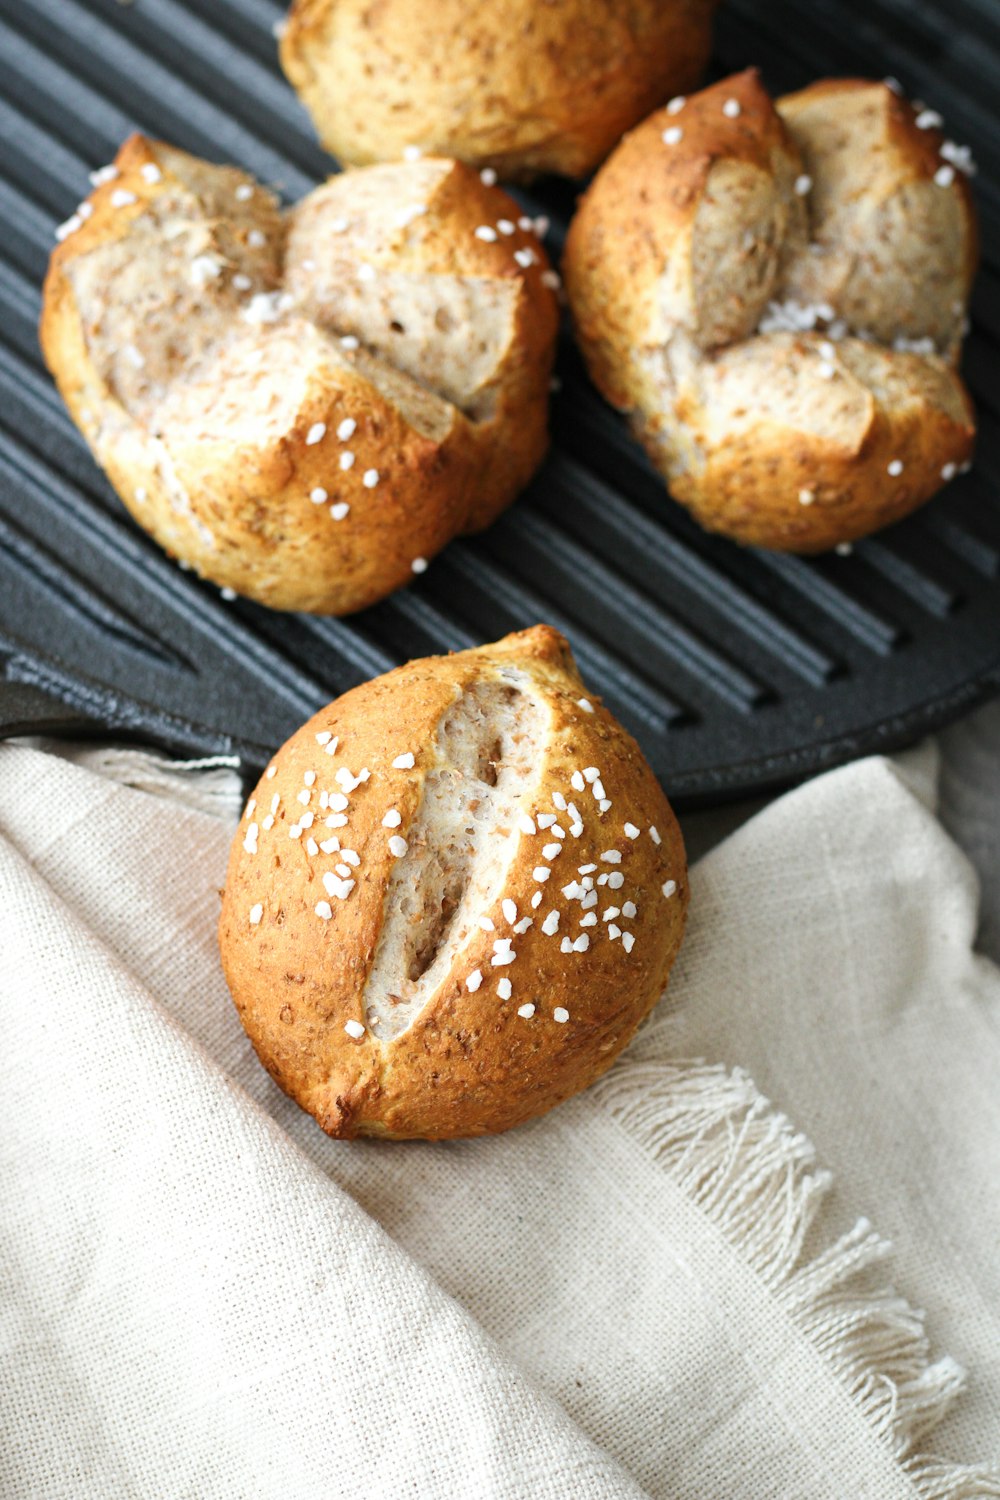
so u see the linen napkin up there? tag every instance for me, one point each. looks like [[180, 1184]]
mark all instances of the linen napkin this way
[[655, 1290]]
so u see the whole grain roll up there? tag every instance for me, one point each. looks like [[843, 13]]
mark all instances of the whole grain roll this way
[[453, 896], [775, 294], [521, 88], [303, 406]]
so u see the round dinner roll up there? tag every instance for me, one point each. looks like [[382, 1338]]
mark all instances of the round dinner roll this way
[[521, 88], [776, 295], [303, 406], [453, 896]]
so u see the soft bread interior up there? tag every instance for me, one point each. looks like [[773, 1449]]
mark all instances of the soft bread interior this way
[[889, 247], [452, 332], [747, 224], [460, 844]]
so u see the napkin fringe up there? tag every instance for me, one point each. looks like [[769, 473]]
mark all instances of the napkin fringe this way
[[755, 1176]]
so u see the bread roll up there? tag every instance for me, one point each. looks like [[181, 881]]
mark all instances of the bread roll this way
[[521, 88], [303, 406], [453, 896], [776, 295]]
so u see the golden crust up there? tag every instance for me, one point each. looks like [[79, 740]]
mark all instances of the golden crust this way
[[469, 1063], [688, 256], [524, 88], [202, 399]]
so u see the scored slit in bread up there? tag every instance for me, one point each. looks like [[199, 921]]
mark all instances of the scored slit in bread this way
[[483, 768]]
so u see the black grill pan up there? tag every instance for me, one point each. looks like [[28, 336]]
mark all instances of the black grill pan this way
[[737, 670]]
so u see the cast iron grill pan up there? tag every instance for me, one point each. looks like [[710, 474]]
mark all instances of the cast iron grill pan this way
[[737, 670]]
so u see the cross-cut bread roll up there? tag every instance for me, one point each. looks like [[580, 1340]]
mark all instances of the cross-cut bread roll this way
[[522, 87], [453, 896], [303, 406], [776, 294]]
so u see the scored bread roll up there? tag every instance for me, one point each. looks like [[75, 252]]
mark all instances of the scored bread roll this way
[[303, 406], [453, 896], [522, 88], [776, 295]]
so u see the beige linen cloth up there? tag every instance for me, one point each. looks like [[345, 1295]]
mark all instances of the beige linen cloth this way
[[659, 1290]]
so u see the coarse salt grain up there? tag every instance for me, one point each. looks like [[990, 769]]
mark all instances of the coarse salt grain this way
[[669, 888], [488, 177], [541, 873], [527, 1011], [672, 135], [486, 232], [676, 104], [392, 819], [550, 851], [509, 909], [526, 824], [323, 909], [654, 835], [560, 1014], [487, 924], [244, 192], [104, 174], [803, 184], [731, 109], [629, 909], [806, 497], [404, 762], [255, 914], [347, 428], [945, 176], [611, 857], [504, 989], [949, 471], [370, 479], [615, 880], [121, 198], [256, 239], [354, 1029], [551, 924], [631, 832], [419, 565], [474, 980], [347, 460], [316, 434], [585, 704], [397, 846], [340, 511], [318, 496], [506, 227], [628, 941], [895, 468]]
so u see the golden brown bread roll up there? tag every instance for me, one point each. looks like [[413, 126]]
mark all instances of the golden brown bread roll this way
[[453, 896], [521, 88], [776, 296], [303, 406]]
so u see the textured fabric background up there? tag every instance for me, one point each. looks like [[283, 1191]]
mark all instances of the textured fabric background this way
[[202, 1295]]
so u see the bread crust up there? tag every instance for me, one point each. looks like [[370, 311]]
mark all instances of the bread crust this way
[[182, 324], [775, 294], [469, 1063], [524, 88]]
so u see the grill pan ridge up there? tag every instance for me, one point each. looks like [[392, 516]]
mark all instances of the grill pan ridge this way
[[736, 670]]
